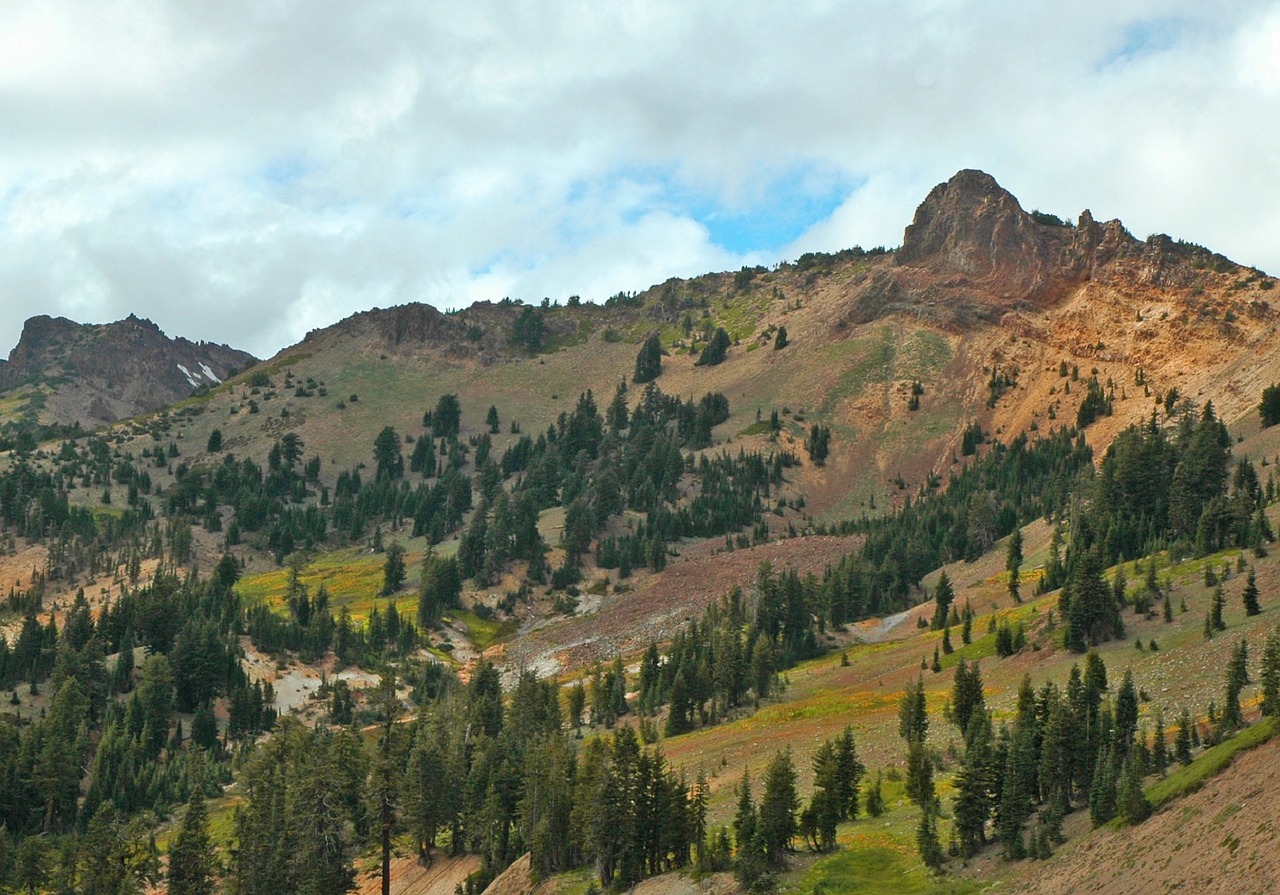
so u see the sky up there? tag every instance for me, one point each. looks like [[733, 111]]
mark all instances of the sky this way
[[249, 170]]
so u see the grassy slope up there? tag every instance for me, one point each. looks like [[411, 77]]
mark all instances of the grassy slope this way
[[823, 696]]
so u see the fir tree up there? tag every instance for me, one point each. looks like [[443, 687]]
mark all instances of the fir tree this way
[[943, 595], [1250, 594], [649, 360], [1013, 563], [875, 798], [191, 857], [1182, 739], [778, 806], [393, 570], [1270, 675], [1215, 613]]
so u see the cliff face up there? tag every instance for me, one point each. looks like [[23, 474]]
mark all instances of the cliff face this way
[[98, 373]]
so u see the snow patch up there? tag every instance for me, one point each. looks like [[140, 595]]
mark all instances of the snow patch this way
[[209, 373], [191, 377]]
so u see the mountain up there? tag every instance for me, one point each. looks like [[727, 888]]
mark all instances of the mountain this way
[[561, 517], [66, 373]]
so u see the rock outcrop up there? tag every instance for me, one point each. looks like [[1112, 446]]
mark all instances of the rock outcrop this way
[[972, 254]]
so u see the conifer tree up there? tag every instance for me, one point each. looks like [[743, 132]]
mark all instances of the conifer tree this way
[[943, 594], [1215, 612], [1270, 675], [393, 570], [1250, 594], [1182, 739], [1102, 794], [649, 360], [191, 857], [875, 798], [1131, 801], [778, 806], [1013, 563], [1159, 746]]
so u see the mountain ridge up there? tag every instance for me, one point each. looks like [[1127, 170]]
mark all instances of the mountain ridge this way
[[91, 374]]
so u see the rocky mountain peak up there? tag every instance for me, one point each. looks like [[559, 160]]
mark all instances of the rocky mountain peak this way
[[972, 226], [96, 373]]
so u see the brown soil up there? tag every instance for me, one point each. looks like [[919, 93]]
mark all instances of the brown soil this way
[[408, 877], [660, 604], [1221, 840]]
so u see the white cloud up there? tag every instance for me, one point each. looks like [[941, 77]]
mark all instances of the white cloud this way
[[247, 171]]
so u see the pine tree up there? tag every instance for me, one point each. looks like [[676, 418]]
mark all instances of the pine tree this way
[[919, 785], [1237, 676], [1102, 794], [778, 806], [1270, 675], [1182, 739], [927, 840], [649, 360], [1013, 563], [1215, 613], [716, 349], [1131, 801], [191, 857], [943, 595], [1250, 595], [1159, 746], [913, 716], [393, 570], [875, 798], [966, 695]]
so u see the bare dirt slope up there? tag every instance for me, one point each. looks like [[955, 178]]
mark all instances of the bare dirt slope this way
[[660, 605], [1221, 840], [408, 877]]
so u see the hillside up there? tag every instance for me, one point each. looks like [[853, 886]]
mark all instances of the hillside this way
[[63, 373], [466, 561], [998, 317]]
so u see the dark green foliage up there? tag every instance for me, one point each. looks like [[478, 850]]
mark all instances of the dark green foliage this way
[[913, 715], [818, 444], [1013, 563], [192, 862], [716, 349], [1269, 406], [439, 589], [529, 331], [778, 806], [1131, 801], [967, 701], [386, 454], [1088, 605], [1250, 595], [1095, 404], [780, 340], [943, 595], [648, 360], [215, 441], [393, 570], [446, 419], [1269, 676], [1232, 719], [973, 437]]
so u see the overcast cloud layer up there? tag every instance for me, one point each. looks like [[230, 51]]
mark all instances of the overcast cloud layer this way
[[245, 171]]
